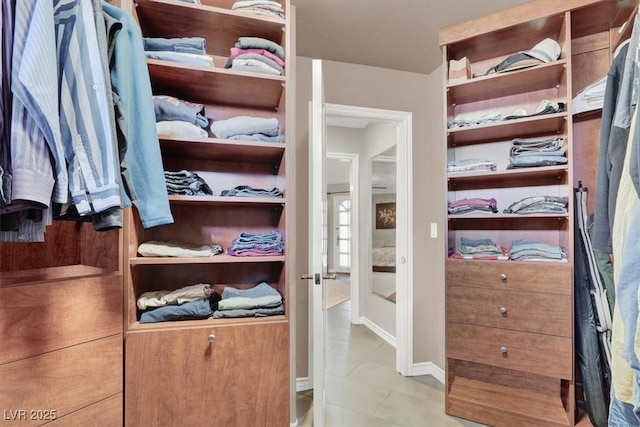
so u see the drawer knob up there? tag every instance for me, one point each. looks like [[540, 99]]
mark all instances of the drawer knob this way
[[212, 338], [503, 310], [503, 277], [503, 350]]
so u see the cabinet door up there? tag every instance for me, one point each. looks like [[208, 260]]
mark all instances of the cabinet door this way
[[236, 375]]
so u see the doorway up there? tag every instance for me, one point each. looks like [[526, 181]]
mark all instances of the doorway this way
[[360, 193]]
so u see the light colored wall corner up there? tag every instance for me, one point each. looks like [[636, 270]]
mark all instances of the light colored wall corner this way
[[379, 331], [428, 368]]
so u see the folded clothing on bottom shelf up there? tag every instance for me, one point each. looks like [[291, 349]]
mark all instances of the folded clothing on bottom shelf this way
[[534, 250], [480, 249], [261, 300]]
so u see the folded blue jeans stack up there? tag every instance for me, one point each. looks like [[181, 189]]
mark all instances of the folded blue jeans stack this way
[[261, 300], [257, 244], [534, 250], [538, 204], [537, 152]]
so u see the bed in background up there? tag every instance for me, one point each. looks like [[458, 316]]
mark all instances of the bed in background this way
[[383, 258]]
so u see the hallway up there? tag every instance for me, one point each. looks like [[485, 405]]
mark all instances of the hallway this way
[[363, 388]]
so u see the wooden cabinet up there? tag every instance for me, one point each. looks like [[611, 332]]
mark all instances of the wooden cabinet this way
[[226, 372], [509, 324], [61, 332]]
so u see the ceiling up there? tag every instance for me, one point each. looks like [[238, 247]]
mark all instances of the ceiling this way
[[395, 34]]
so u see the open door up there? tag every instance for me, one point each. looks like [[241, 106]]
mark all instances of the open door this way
[[318, 231]]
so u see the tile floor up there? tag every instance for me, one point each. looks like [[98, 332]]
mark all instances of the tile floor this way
[[363, 388]]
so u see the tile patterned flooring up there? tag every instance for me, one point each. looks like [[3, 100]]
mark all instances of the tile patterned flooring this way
[[363, 388]]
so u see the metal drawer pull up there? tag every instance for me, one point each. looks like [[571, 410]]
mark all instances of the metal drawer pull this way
[[503, 310], [503, 277], [503, 350], [212, 338]]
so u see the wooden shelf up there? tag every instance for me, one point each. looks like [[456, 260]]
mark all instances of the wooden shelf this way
[[219, 26], [544, 76], [216, 259], [501, 216], [215, 85], [519, 402], [50, 274], [227, 201], [546, 175], [508, 129], [210, 322], [508, 261], [222, 150]]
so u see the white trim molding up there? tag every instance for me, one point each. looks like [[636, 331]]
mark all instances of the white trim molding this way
[[379, 331], [303, 384], [428, 368]]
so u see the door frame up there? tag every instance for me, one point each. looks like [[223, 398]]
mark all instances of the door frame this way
[[402, 121]]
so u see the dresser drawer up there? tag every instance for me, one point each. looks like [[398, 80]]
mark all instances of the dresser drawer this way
[[523, 351], [42, 317], [522, 311], [533, 277]]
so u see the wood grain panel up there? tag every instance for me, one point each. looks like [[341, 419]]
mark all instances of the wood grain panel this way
[[47, 316], [553, 279], [540, 354], [525, 311], [64, 380], [241, 379], [106, 413]]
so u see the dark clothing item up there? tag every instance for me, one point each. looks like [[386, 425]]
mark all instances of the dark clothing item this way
[[248, 191], [611, 153], [193, 310]]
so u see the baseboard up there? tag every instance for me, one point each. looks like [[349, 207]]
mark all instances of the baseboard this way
[[428, 368], [303, 384], [379, 331], [294, 424]]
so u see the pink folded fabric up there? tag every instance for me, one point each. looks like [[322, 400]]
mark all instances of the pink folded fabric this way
[[235, 51]]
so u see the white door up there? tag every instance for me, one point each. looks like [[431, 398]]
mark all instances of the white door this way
[[341, 233], [317, 239]]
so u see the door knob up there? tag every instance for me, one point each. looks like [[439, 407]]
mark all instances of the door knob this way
[[329, 277], [306, 277]]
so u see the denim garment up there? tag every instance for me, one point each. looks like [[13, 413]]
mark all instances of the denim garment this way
[[538, 160], [178, 44], [199, 309], [257, 137], [539, 204], [171, 108], [621, 414], [244, 303], [478, 246], [257, 244], [523, 147], [262, 289], [245, 125], [248, 191], [523, 249], [186, 183], [255, 312]]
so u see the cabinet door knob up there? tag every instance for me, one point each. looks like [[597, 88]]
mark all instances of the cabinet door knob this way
[[503, 277], [212, 338], [503, 310], [503, 350]]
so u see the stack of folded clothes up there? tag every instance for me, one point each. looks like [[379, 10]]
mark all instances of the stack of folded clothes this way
[[545, 107], [471, 165], [533, 152], [248, 128], [248, 191], [178, 118], [475, 205], [260, 7], [174, 248], [533, 250], [185, 50], [257, 55], [539, 205], [261, 300], [480, 249], [187, 303], [257, 244], [186, 183], [494, 117]]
